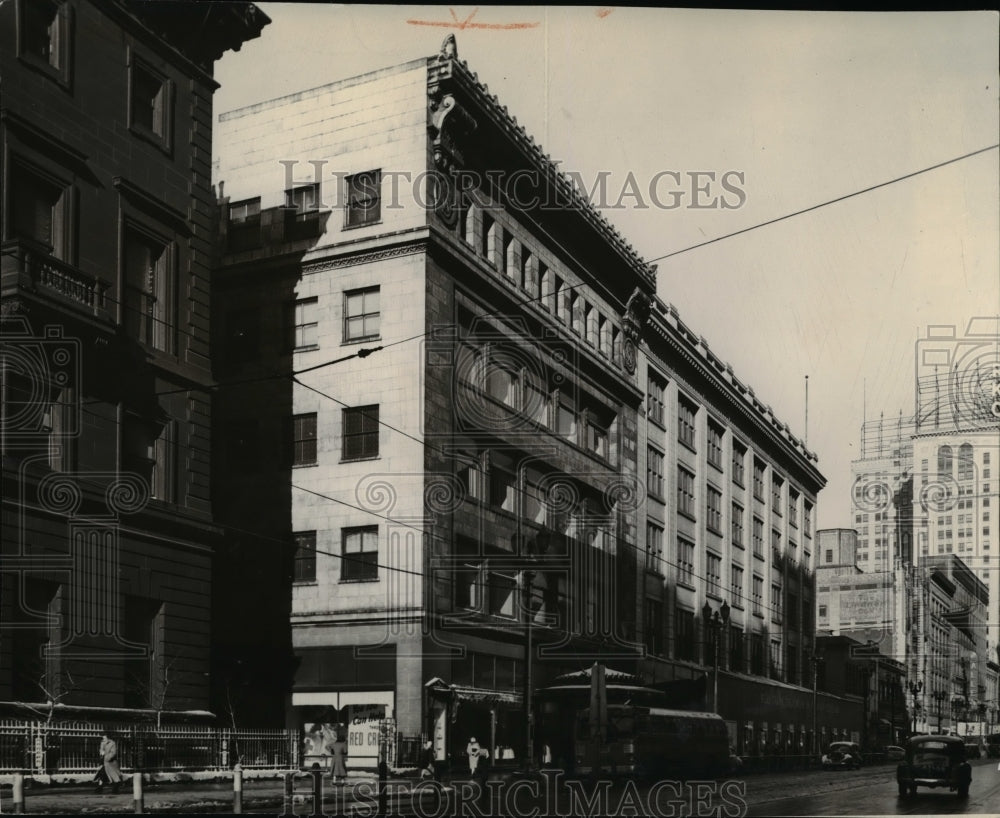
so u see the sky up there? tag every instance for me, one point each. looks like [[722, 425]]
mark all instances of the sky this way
[[809, 107]]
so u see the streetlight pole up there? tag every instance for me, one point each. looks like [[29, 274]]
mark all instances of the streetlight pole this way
[[715, 620], [939, 697], [915, 688]]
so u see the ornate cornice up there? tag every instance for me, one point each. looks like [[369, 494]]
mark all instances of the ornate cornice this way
[[349, 260], [446, 73]]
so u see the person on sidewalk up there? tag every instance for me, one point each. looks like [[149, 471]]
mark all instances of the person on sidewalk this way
[[427, 761], [110, 771], [472, 749], [339, 751]]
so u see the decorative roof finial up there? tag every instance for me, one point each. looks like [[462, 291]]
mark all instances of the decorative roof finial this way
[[449, 48]]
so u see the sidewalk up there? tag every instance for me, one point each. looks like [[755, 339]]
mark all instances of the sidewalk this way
[[199, 796]]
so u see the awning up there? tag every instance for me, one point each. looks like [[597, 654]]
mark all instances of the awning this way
[[480, 695], [339, 700]]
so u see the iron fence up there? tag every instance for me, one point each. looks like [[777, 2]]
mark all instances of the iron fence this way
[[74, 747]]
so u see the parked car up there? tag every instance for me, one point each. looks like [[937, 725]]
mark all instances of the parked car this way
[[973, 750], [894, 753], [934, 761], [843, 754]]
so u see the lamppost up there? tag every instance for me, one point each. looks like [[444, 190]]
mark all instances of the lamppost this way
[[716, 620], [532, 551], [958, 706], [915, 688], [939, 696], [817, 660]]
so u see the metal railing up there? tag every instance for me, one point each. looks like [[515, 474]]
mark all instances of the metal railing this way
[[74, 747]]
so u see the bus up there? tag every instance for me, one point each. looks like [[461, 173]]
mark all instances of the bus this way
[[654, 743]]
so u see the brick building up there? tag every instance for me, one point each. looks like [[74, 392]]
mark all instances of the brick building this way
[[107, 239]]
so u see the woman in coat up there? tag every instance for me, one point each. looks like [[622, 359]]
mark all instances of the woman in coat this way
[[339, 751], [110, 771]]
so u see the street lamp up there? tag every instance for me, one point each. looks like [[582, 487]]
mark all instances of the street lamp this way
[[939, 696], [817, 660], [716, 620], [915, 688]]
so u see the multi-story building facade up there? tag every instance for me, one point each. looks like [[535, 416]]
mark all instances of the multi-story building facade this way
[[106, 244], [451, 374], [730, 508]]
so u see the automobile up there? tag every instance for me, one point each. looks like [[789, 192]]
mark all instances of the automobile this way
[[894, 753], [973, 750], [934, 761], [843, 754]]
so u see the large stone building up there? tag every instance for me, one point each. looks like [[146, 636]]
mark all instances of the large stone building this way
[[477, 400], [730, 508], [107, 239]]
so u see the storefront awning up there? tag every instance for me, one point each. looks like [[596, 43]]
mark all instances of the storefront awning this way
[[339, 700], [480, 695]]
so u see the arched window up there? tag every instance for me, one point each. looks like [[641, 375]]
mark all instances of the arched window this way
[[965, 462], [944, 461]]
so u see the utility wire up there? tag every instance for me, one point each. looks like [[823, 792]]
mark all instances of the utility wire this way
[[825, 204]]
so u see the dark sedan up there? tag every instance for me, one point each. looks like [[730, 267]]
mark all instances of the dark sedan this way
[[843, 754], [934, 761]]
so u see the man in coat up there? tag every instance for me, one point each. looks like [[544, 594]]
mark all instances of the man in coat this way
[[110, 771]]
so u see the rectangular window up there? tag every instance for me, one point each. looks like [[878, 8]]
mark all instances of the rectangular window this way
[[150, 103], [243, 225], [654, 472], [603, 336], [576, 308], [654, 626], [685, 492], [758, 537], [362, 319], [566, 421], [306, 323], [43, 36], [590, 322], [304, 439], [597, 437], [503, 482], [684, 644], [758, 480], [655, 398], [305, 556], [737, 526], [536, 404], [686, 412], [38, 209], [364, 198], [713, 572], [758, 594], [736, 661], [807, 519], [503, 589], [654, 548], [488, 239], [739, 469], [715, 434], [467, 591], [360, 553], [777, 603], [544, 285], [528, 282], [685, 561], [776, 484], [713, 509], [360, 432], [149, 312], [736, 585]]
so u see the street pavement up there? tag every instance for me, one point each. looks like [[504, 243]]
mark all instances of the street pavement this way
[[869, 791]]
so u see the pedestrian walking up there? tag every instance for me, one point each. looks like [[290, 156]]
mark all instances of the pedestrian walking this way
[[427, 761], [339, 751], [110, 771], [472, 749]]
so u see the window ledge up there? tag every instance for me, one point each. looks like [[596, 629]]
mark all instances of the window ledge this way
[[304, 583], [350, 342], [307, 348], [359, 579], [688, 515], [305, 465], [363, 224], [359, 459]]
